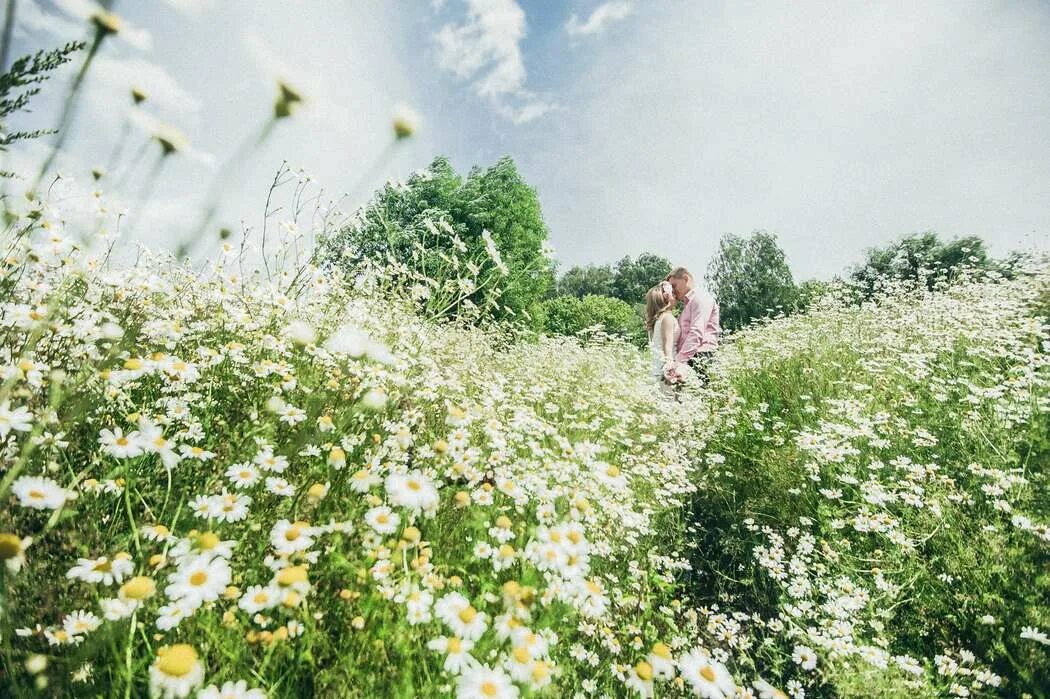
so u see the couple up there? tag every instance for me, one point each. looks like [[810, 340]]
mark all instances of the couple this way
[[684, 345]]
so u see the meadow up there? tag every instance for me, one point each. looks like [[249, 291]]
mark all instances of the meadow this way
[[237, 471], [293, 484]]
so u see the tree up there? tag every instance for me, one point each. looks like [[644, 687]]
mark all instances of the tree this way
[[750, 278], [568, 315], [589, 280], [457, 246], [920, 258], [635, 277]]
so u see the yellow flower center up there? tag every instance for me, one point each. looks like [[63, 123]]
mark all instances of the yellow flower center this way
[[122, 441], [414, 485], [292, 533], [291, 575], [644, 671], [139, 587], [661, 650], [103, 566], [454, 645], [467, 614], [489, 688], [261, 597], [503, 522], [176, 661], [36, 495], [10, 546], [207, 541], [708, 673], [198, 578], [522, 655], [613, 472]]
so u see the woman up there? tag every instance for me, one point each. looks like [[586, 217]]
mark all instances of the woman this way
[[663, 334]]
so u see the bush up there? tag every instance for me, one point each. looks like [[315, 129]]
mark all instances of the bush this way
[[568, 315], [921, 259]]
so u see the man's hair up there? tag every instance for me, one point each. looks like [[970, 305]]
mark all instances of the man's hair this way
[[679, 273]]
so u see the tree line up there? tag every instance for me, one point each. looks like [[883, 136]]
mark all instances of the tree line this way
[[474, 247]]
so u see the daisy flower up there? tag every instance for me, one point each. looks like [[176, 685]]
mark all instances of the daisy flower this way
[[258, 597], [201, 544], [708, 677], [243, 475], [382, 519], [459, 615], [39, 493], [176, 672], [17, 419], [457, 653], [155, 532], [363, 480], [115, 609], [268, 461], [13, 550], [483, 682], [119, 445], [640, 679], [102, 570], [279, 486], [804, 657], [290, 537], [228, 507], [154, 442], [81, 622], [412, 490], [199, 580], [231, 690], [661, 661]]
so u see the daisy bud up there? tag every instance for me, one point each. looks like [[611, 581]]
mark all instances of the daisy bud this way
[[36, 663], [462, 498], [317, 492], [138, 96], [358, 622], [441, 446], [411, 535], [346, 594], [138, 588], [10, 546], [106, 23], [287, 98], [405, 122]]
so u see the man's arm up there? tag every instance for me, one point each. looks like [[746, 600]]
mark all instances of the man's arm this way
[[691, 341]]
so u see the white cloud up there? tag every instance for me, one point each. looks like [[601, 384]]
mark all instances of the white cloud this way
[[192, 8], [602, 16], [30, 17], [486, 49], [150, 126]]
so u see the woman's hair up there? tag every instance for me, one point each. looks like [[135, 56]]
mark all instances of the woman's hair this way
[[656, 303]]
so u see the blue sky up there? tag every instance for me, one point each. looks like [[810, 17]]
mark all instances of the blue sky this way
[[643, 125]]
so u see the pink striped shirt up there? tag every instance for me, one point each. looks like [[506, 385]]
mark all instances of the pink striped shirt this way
[[699, 325]]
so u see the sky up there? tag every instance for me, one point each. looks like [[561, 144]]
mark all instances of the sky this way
[[644, 126]]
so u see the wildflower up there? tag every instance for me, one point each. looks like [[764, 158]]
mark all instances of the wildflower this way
[[176, 672], [115, 609], [231, 690], [804, 657], [337, 458], [287, 98], [258, 598], [405, 122], [317, 492], [457, 653], [483, 682], [708, 677], [102, 570], [383, 519], [279, 486], [36, 663], [39, 493], [138, 588], [661, 661], [640, 679], [768, 691], [81, 622], [199, 580], [291, 537], [18, 419], [412, 490], [325, 423], [13, 550], [1032, 633], [459, 615], [243, 475]]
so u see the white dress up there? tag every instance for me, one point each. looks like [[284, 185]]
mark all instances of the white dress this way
[[656, 350]]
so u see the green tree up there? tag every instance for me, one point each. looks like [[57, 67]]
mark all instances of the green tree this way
[[750, 278], [583, 281], [920, 258], [568, 315], [457, 245], [635, 277]]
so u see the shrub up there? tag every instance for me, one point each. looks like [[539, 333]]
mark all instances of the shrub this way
[[568, 315]]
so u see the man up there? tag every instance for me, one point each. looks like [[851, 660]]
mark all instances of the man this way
[[697, 323]]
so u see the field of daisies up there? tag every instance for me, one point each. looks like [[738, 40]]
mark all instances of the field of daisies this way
[[225, 483]]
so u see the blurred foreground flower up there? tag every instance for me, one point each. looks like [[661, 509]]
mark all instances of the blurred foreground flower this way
[[287, 98], [406, 122]]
